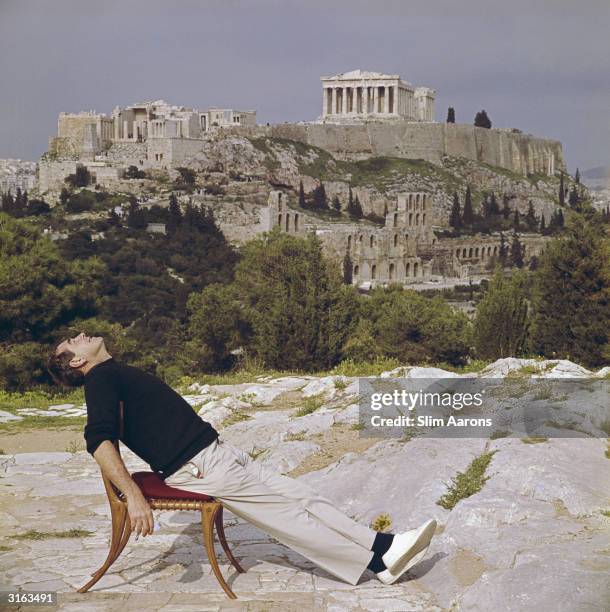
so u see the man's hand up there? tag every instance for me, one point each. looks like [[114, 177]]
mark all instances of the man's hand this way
[[140, 515]]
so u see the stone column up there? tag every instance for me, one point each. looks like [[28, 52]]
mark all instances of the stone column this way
[[324, 102], [386, 100], [375, 98], [344, 101], [334, 100], [396, 108]]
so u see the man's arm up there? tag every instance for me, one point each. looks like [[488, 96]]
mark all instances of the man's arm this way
[[140, 513]]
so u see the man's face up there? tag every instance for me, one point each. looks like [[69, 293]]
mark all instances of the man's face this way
[[85, 348]]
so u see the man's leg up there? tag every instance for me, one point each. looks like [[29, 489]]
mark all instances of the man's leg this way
[[321, 507], [286, 519]]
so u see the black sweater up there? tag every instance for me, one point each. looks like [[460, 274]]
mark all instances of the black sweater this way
[[159, 425]]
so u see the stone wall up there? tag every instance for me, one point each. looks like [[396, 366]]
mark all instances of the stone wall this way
[[512, 150], [51, 174]]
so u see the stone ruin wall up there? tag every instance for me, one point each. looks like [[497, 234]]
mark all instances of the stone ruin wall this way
[[404, 251]]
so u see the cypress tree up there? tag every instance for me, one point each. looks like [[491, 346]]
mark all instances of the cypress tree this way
[[494, 209], [562, 193], [468, 215], [302, 202], [348, 269], [175, 214], [542, 224], [577, 176], [574, 199], [503, 251], [455, 218], [482, 120], [358, 208], [516, 252], [505, 206], [530, 218], [516, 221], [319, 198]]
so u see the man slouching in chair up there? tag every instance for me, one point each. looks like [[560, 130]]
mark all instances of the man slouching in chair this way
[[186, 451]]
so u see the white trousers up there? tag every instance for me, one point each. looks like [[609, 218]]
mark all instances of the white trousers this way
[[289, 510]]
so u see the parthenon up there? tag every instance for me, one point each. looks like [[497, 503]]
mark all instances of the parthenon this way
[[361, 94]]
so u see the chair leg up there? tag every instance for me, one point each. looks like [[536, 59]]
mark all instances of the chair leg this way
[[208, 515], [121, 530], [220, 530]]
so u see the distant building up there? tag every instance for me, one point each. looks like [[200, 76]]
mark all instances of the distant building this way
[[360, 94], [156, 228], [89, 134]]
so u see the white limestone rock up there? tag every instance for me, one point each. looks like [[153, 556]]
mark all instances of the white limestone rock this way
[[41, 459], [5, 417], [325, 385], [264, 394], [418, 372], [501, 367]]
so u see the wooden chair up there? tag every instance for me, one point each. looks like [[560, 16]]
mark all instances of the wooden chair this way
[[163, 497]]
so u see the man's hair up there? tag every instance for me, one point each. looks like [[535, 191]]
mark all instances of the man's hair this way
[[61, 371]]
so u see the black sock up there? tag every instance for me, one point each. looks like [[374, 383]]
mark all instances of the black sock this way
[[376, 564], [382, 543]]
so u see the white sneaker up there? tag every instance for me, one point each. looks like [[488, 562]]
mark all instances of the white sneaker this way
[[408, 548]]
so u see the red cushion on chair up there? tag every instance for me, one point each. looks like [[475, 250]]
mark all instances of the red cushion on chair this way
[[153, 486]]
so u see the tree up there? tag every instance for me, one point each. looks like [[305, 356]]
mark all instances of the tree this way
[[81, 177], [468, 215], [298, 309], [562, 192], [8, 203], [505, 207], [494, 209], [348, 269], [175, 214], [319, 200], [41, 292], [187, 176], [501, 322], [38, 207], [576, 268], [413, 328], [451, 115], [354, 209], [577, 176], [336, 204], [542, 224], [361, 346], [64, 196], [531, 221], [482, 120], [574, 199], [214, 324], [302, 202], [503, 251], [133, 172], [516, 221], [81, 201], [516, 252], [455, 218], [136, 215]]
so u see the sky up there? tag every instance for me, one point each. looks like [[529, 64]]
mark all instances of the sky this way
[[540, 66]]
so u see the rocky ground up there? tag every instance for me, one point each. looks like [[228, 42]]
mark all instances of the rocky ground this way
[[536, 536]]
